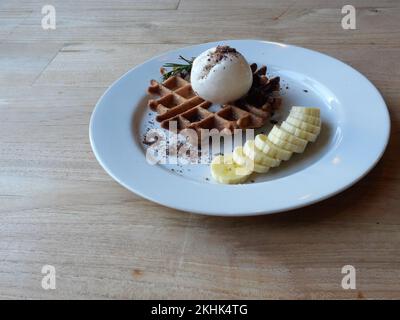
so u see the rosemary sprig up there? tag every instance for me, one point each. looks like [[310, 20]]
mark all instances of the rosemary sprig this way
[[178, 68]]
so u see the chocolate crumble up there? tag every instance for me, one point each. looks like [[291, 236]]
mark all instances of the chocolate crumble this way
[[220, 53]]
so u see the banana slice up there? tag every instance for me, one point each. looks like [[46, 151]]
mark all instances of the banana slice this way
[[258, 156], [261, 142], [298, 132], [315, 112], [285, 144], [303, 125], [284, 135], [225, 170], [316, 121], [241, 159], [259, 168]]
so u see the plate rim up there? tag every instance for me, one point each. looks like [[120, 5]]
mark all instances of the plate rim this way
[[263, 211]]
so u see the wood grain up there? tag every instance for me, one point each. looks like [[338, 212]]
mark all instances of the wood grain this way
[[58, 207]]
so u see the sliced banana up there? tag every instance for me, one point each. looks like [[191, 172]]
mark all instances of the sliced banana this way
[[298, 132], [316, 121], [285, 144], [284, 135], [261, 142], [225, 170], [241, 159], [303, 125], [258, 156], [315, 112]]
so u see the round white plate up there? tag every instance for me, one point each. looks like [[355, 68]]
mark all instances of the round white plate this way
[[354, 135]]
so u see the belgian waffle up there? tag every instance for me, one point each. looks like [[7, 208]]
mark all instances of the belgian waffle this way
[[178, 102]]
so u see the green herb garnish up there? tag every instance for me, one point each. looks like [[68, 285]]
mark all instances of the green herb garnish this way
[[178, 68]]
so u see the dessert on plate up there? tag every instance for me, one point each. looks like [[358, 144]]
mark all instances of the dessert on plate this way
[[247, 99]]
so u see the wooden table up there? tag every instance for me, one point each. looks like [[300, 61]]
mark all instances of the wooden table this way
[[58, 207]]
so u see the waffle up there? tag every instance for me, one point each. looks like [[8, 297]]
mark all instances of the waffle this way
[[178, 102]]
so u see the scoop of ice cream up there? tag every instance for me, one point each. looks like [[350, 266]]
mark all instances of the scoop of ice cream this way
[[221, 75]]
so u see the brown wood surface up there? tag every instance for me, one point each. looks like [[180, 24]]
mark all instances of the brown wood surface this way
[[58, 207]]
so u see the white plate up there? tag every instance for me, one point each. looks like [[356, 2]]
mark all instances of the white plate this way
[[354, 135]]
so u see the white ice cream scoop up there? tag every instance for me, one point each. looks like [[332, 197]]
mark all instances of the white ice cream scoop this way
[[221, 75]]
